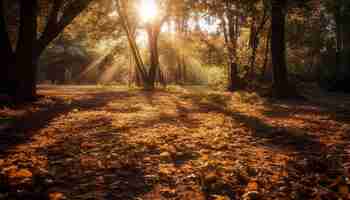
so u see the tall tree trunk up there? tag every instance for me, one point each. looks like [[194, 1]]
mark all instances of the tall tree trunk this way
[[23, 68], [278, 49], [339, 38], [339, 27], [178, 69], [179, 56], [346, 30], [26, 54], [255, 41], [161, 77], [184, 69], [181, 76], [343, 41], [231, 35], [7, 79], [131, 39], [267, 54], [153, 33], [234, 80]]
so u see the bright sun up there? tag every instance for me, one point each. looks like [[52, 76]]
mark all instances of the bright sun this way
[[148, 10]]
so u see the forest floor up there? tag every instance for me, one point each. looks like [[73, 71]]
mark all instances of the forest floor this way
[[87, 142]]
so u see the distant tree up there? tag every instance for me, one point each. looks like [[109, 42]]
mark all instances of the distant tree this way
[[342, 16], [153, 29], [231, 26], [257, 27]]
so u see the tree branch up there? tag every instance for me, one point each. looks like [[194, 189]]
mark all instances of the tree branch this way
[[55, 28]]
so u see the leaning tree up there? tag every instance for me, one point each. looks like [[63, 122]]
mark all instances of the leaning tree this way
[[153, 29]]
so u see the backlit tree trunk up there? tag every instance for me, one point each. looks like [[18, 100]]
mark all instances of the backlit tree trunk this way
[[184, 69], [267, 53], [255, 41], [181, 75], [153, 33], [230, 29], [179, 28]]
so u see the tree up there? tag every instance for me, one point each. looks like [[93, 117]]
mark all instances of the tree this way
[[341, 15], [153, 29], [231, 31], [5, 52], [255, 32], [229, 13], [22, 63], [181, 18], [338, 13], [233, 16], [278, 48]]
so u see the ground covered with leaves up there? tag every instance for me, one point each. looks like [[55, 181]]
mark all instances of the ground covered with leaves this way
[[86, 142]]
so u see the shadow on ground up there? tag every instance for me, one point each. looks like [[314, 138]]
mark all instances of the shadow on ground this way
[[94, 151], [311, 157]]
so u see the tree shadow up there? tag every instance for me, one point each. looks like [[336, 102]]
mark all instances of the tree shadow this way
[[311, 105], [90, 164], [92, 160], [95, 161], [276, 136], [23, 128], [310, 155], [74, 160], [284, 137], [105, 166]]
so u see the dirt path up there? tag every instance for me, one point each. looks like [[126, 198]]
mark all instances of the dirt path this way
[[114, 143]]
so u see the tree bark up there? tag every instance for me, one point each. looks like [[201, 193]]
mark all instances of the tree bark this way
[[7, 79], [26, 53], [281, 86], [153, 34], [230, 30], [255, 41], [267, 53], [178, 75], [184, 69], [21, 65], [131, 39], [179, 56]]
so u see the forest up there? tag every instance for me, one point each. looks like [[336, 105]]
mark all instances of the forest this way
[[174, 99]]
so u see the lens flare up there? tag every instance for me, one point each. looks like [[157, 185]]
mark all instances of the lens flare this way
[[148, 10]]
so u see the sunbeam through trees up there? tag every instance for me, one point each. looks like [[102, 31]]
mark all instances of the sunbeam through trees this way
[[174, 99]]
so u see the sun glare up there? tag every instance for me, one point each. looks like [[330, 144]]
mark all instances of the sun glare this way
[[148, 10]]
